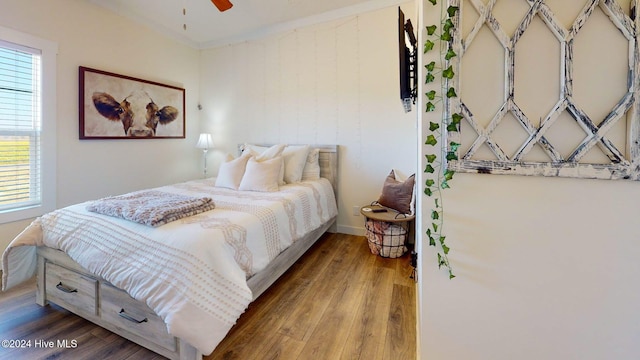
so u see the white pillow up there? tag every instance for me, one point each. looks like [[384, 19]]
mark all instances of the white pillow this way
[[261, 175], [231, 172], [295, 157], [262, 153], [311, 169], [255, 148]]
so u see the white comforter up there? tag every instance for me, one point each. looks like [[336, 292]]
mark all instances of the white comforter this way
[[192, 272]]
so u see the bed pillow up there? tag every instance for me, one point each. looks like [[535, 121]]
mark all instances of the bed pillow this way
[[253, 149], [262, 153], [311, 169], [271, 152], [261, 175], [295, 157], [231, 172], [398, 195]]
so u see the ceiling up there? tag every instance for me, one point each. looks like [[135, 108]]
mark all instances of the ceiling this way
[[206, 27]]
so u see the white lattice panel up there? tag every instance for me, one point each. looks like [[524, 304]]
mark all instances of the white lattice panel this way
[[592, 131]]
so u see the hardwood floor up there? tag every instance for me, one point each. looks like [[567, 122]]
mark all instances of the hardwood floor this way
[[337, 302]]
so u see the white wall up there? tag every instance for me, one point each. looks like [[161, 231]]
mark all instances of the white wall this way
[[546, 268], [88, 35], [333, 83]]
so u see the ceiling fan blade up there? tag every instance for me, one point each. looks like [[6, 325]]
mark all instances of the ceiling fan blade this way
[[222, 5]]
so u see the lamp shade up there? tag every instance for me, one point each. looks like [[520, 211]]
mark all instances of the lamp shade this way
[[205, 141]]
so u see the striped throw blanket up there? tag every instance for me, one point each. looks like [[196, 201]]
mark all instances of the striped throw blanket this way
[[151, 208]]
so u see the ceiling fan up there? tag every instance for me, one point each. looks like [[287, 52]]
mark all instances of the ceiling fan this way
[[222, 5]]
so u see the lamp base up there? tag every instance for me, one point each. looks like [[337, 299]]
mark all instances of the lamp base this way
[[204, 155]]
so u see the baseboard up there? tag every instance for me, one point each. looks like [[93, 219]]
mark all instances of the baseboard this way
[[351, 230]]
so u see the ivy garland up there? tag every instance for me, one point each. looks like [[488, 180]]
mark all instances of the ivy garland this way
[[440, 174]]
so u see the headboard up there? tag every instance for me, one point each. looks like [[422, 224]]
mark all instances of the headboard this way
[[328, 159]]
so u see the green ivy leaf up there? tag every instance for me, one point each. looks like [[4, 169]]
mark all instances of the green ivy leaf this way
[[433, 126], [431, 140], [434, 2], [448, 25], [428, 192], [442, 239], [451, 156], [435, 227], [431, 29], [451, 276], [451, 93], [430, 182], [456, 118], [432, 241], [435, 215], [450, 54], [448, 174], [430, 107], [428, 46], [451, 10], [429, 169], [445, 36], [448, 73], [430, 78], [440, 261], [452, 127], [431, 95], [445, 184], [454, 146], [436, 201], [431, 158], [430, 66], [445, 248]]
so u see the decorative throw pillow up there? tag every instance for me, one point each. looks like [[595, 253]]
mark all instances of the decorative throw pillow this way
[[402, 177], [271, 152], [311, 169], [396, 194], [231, 172], [261, 175], [295, 157], [262, 153]]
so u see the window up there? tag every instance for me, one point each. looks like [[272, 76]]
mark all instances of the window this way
[[27, 126]]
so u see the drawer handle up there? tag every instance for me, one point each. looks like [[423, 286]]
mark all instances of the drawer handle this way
[[123, 314], [66, 289]]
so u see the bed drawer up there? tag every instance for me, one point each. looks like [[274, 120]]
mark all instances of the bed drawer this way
[[71, 290], [123, 311]]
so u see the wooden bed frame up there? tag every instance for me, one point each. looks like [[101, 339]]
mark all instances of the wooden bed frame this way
[[94, 299]]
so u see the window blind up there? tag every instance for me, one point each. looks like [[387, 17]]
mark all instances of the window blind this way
[[20, 127]]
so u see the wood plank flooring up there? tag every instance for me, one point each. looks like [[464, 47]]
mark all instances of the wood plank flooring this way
[[337, 302]]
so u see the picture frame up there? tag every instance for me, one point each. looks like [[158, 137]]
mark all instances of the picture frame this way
[[114, 106]]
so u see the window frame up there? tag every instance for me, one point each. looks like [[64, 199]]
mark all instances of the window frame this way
[[48, 103]]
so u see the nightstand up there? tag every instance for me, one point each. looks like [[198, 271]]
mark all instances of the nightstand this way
[[387, 231]]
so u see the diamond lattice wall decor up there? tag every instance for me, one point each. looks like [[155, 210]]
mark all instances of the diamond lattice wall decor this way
[[573, 137]]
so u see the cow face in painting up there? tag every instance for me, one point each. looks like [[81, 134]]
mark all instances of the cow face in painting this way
[[137, 112]]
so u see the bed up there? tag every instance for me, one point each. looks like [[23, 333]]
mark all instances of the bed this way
[[172, 289]]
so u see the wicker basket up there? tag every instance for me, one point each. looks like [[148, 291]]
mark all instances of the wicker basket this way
[[386, 239]]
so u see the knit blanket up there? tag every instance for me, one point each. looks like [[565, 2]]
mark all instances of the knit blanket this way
[[151, 208]]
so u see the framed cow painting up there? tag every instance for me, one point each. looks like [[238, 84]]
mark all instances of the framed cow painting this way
[[115, 106]]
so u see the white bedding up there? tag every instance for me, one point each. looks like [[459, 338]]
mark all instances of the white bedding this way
[[192, 272]]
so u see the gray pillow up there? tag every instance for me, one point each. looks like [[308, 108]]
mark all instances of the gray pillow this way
[[396, 194]]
